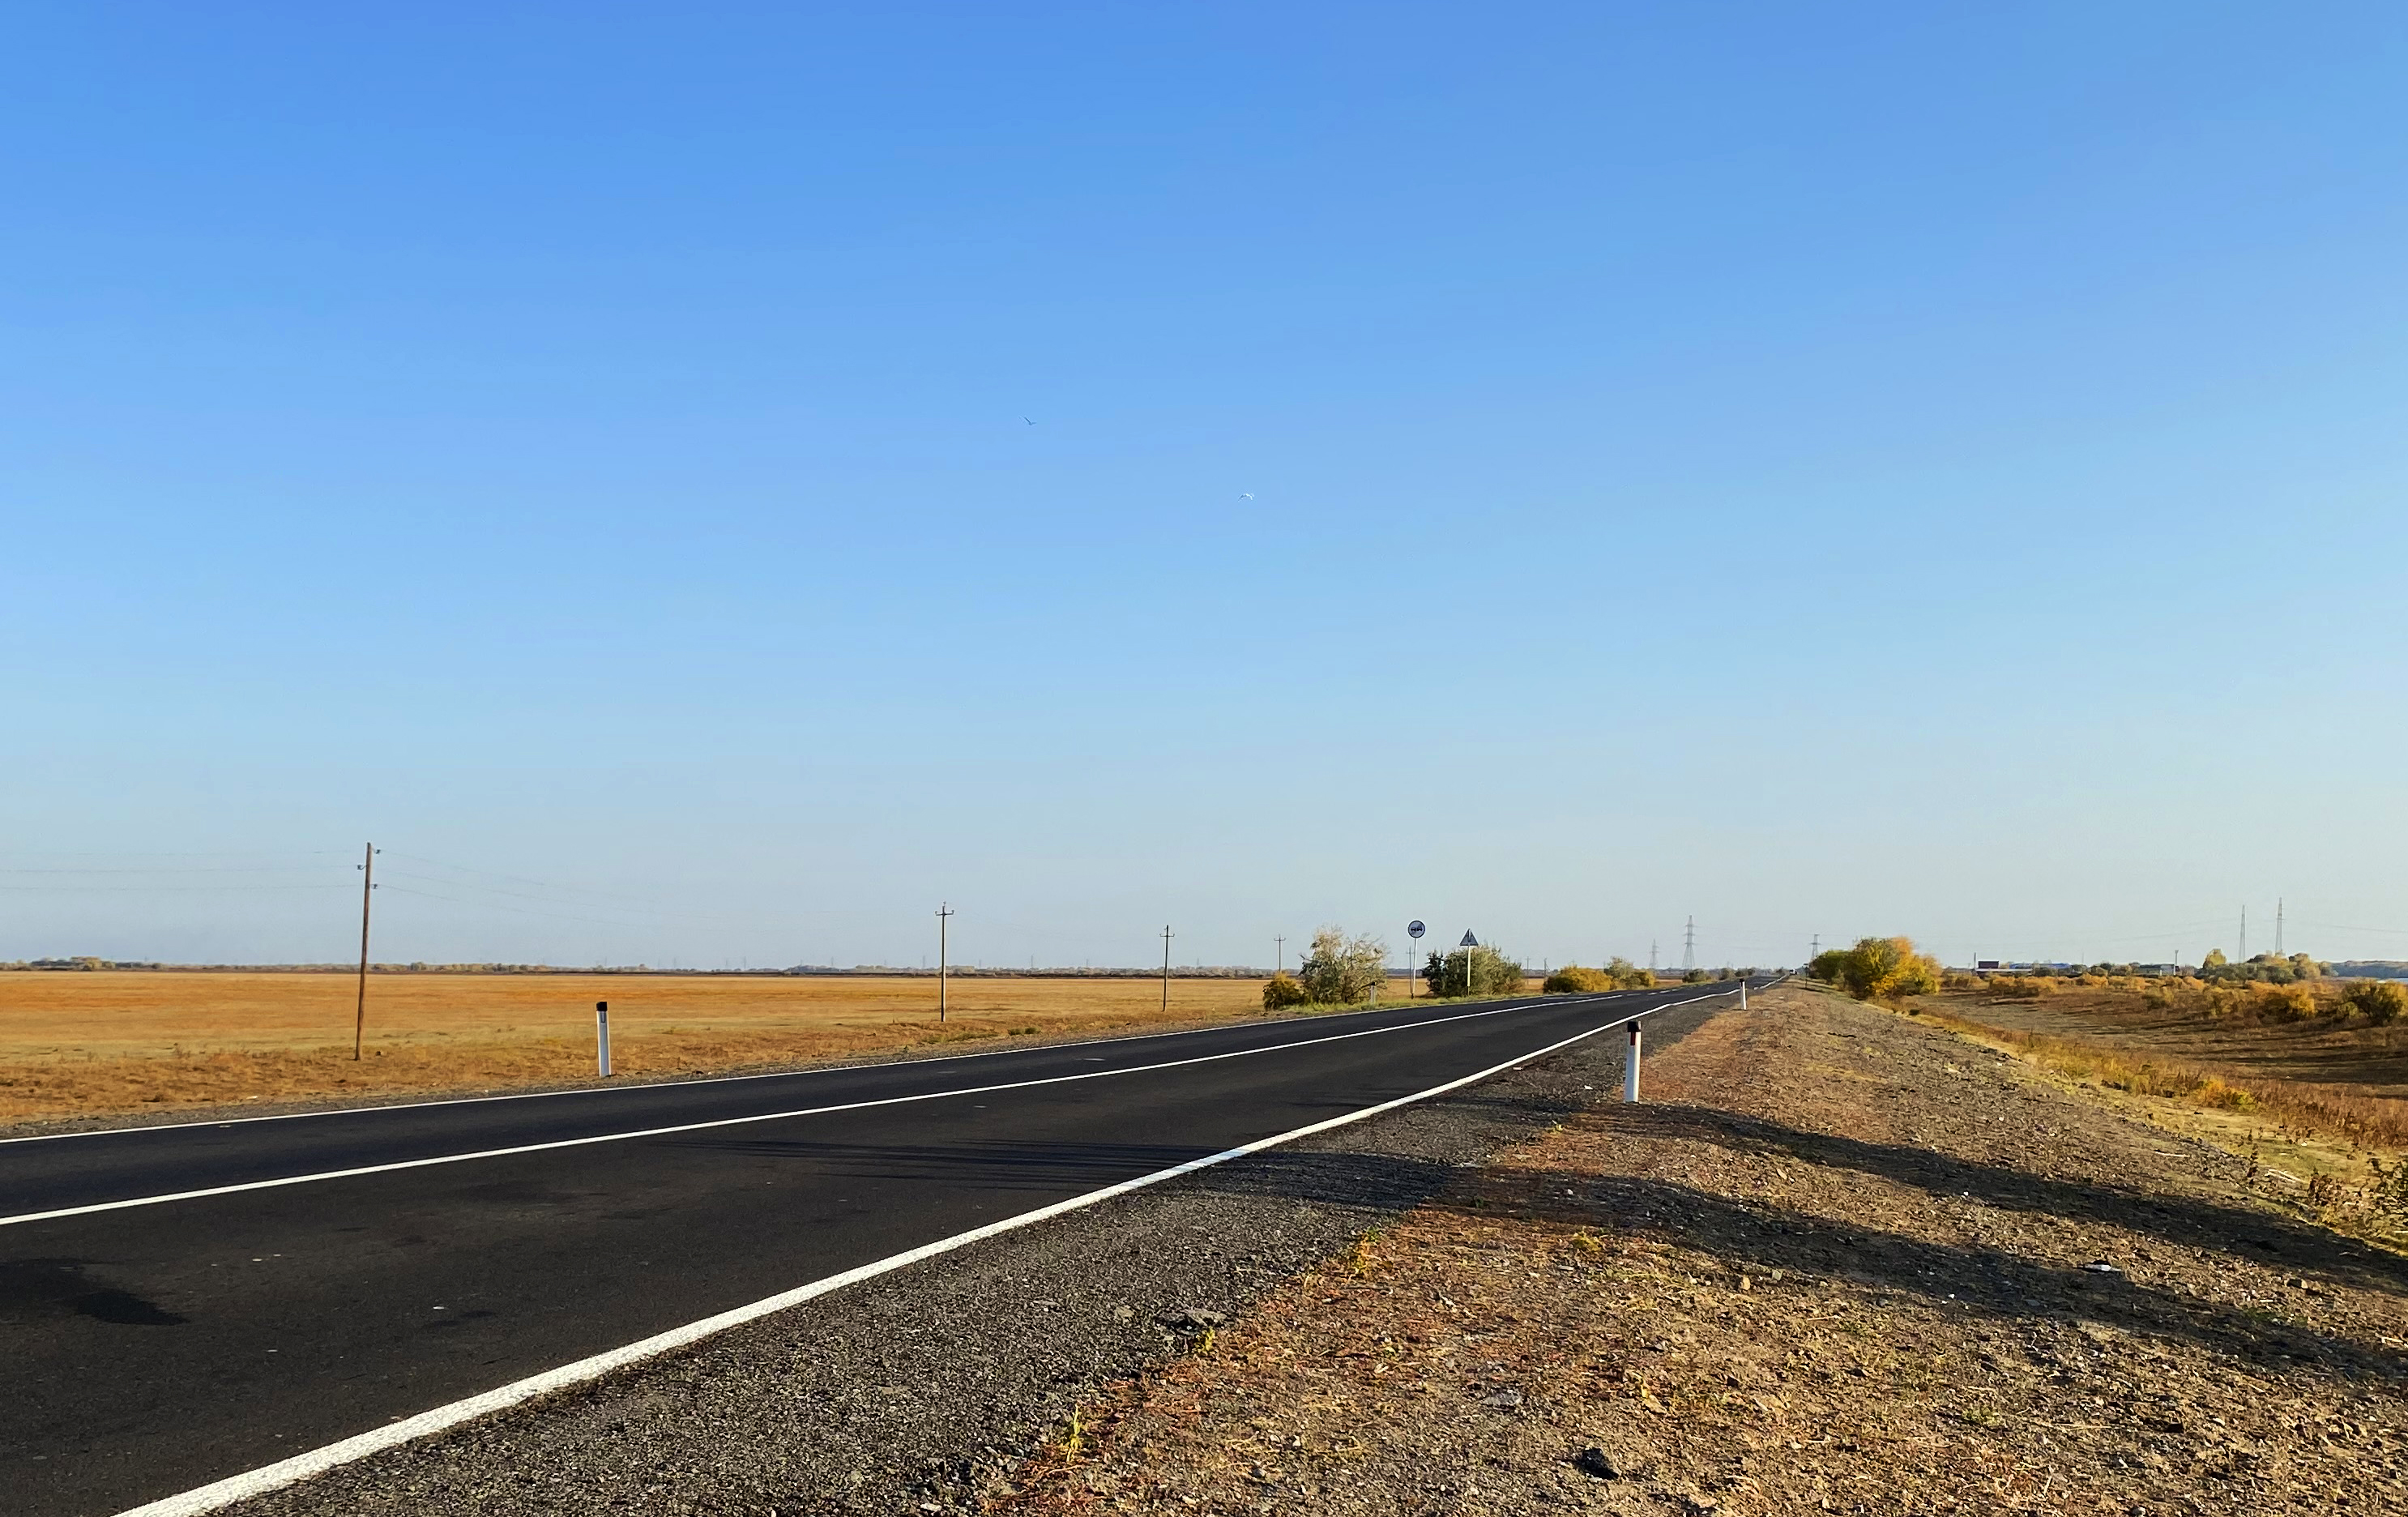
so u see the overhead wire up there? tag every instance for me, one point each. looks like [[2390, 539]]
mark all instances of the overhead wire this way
[[495, 906], [169, 890]]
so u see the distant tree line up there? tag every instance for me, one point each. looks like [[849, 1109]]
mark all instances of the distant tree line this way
[[2265, 968]]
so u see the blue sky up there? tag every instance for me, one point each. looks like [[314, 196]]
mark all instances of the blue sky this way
[[1554, 470]]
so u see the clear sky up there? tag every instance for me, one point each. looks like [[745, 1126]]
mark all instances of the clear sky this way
[[706, 483]]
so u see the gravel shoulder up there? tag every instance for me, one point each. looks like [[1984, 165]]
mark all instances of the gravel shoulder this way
[[1839, 1261], [926, 1390]]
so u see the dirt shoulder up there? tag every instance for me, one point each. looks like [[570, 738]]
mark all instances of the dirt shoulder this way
[[1839, 1261]]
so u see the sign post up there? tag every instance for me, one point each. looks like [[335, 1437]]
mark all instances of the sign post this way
[[1412, 930], [1468, 944], [602, 1038]]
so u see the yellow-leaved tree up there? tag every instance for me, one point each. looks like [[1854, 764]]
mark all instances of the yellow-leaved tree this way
[[1886, 970]]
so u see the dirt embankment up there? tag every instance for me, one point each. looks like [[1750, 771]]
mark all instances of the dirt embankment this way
[[1839, 1261]]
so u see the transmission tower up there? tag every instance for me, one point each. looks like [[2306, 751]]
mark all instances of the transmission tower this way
[[2244, 956], [1651, 955], [2278, 926], [1689, 946]]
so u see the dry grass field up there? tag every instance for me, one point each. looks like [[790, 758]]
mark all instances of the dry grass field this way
[[75, 1044], [2331, 1054], [2318, 1103]]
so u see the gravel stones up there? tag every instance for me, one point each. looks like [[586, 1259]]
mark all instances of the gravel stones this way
[[993, 1349], [1817, 1272]]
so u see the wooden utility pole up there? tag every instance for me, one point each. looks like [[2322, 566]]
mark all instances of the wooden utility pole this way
[[367, 883], [944, 912], [1279, 954], [1166, 968]]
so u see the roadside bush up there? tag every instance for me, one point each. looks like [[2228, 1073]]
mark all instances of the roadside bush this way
[[1572, 979], [1693, 977], [1628, 976], [1826, 964], [1887, 970], [2379, 1001], [2283, 1003], [1342, 970], [1283, 991], [1958, 979], [1482, 972], [1618, 974]]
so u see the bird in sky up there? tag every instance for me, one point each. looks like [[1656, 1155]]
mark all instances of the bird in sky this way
[[1025, 419], [1245, 494]]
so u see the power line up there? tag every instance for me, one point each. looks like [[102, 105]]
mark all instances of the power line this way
[[163, 890], [229, 868], [523, 911]]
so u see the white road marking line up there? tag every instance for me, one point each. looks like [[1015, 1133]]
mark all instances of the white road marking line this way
[[712, 1079], [221, 1493], [356, 1172]]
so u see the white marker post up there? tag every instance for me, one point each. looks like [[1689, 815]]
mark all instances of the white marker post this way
[[1743, 992], [1631, 1067], [602, 1038]]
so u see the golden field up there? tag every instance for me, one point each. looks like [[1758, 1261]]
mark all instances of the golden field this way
[[84, 1043]]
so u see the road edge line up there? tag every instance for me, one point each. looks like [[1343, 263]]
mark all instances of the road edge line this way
[[219, 1495]]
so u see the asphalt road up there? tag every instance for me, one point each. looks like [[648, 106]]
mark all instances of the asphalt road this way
[[157, 1346]]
